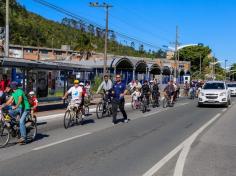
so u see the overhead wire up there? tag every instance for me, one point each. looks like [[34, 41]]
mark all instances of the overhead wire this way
[[75, 16]]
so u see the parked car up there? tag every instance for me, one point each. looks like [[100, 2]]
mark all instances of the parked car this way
[[232, 88], [216, 93]]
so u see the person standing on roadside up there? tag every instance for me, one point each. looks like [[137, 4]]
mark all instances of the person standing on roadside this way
[[4, 82], [119, 91]]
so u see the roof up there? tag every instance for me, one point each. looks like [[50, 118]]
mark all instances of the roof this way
[[48, 65]]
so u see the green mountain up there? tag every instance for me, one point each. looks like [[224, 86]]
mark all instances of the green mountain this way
[[27, 28]]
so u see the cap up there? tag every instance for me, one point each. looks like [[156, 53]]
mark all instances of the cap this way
[[76, 81], [81, 84], [13, 85]]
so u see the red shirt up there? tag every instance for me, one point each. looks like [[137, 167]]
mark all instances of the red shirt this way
[[4, 84]]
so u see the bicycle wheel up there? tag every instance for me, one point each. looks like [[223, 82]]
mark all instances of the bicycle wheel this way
[[4, 136], [31, 130], [144, 107], [109, 110], [99, 110], [165, 101], [133, 104], [86, 110], [67, 119]]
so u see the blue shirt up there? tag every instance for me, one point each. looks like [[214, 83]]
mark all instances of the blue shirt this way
[[119, 88]]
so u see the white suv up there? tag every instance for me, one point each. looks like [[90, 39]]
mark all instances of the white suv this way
[[214, 92], [232, 88]]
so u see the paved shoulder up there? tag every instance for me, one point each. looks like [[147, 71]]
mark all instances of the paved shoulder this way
[[214, 153]]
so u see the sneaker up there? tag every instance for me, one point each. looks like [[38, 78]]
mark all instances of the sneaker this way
[[21, 141], [126, 120]]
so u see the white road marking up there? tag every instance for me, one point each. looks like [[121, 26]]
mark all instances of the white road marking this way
[[61, 141], [224, 110], [182, 158]]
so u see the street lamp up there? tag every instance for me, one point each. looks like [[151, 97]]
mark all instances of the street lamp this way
[[106, 6]]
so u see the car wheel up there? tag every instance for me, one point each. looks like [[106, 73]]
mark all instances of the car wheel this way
[[199, 105]]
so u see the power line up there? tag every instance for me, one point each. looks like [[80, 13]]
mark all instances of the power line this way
[[140, 16], [75, 16]]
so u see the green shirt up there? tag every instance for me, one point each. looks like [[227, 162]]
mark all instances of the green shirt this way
[[24, 104]]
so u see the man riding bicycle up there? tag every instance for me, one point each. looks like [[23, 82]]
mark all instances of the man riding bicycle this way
[[169, 91], [146, 91], [76, 94], [21, 106], [155, 92], [106, 86]]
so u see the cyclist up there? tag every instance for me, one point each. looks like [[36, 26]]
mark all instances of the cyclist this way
[[21, 107], [146, 91], [106, 86], [155, 92], [169, 91], [76, 93]]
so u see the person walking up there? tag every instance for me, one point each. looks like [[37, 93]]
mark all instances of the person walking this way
[[119, 90]]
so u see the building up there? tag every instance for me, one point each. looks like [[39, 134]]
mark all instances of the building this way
[[53, 70]]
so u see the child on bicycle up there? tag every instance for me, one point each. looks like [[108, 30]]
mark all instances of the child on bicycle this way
[[136, 95], [33, 101]]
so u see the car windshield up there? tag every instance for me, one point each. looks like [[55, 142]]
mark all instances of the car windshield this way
[[231, 85], [214, 86]]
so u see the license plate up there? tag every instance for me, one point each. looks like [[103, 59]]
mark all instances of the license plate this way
[[211, 101]]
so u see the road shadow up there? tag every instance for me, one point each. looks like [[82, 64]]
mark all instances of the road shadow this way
[[87, 121], [40, 136], [212, 106], [41, 123]]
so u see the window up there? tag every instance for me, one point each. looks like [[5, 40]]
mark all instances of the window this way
[[214, 86]]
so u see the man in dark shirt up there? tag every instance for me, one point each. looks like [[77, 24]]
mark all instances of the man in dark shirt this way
[[169, 91], [119, 91], [146, 91], [155, 92]]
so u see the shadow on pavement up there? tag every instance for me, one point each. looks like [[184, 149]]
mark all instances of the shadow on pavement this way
[[41, 123], [40, 137]]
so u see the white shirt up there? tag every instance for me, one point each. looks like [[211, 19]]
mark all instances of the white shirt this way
[[136, 95], [106, 85], [75, 93]]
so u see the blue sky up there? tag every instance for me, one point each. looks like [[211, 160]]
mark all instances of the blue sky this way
[[211, 22]]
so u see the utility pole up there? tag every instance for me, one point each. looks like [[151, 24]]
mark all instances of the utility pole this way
[[225, 69], [7, 30], [176, 53], [200, 64], [106, 6]]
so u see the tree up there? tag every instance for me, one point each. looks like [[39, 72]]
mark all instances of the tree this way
[[193, 54], [141, 48], [132, 45], [112, 35], [91, 29]]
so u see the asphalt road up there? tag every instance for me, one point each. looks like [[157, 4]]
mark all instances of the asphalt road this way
[[100, 149]]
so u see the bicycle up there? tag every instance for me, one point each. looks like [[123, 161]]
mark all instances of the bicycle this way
[[104, 108], [167, 102], [155, 100], [144, 103], [9, 127], [73, 114], [135, 104]]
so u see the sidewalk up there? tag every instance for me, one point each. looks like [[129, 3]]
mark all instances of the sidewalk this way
[[214, 153]]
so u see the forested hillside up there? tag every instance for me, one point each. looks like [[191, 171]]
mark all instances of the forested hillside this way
[[27, 28]]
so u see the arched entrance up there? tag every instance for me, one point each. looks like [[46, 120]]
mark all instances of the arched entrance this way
[[141, 70], [166, 72]]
